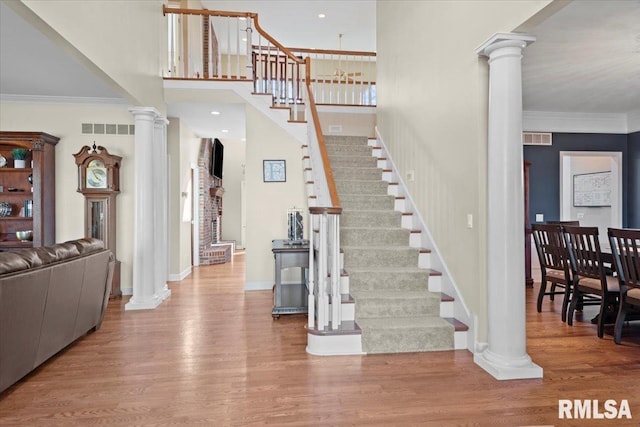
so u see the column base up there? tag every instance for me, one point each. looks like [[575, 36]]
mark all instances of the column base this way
[[150, 304], [507, 369], [164, 293]]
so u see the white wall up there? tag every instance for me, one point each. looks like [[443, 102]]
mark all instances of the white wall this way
[[355, 124], [267, 203], [432, 114], [182, 146], [126, 40], [64, 121]]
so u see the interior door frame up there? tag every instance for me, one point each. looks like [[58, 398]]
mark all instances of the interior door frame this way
[[566, 182]]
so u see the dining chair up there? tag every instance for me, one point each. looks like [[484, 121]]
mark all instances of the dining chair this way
[[564, 222], [591, 286], [554, 264], [625, 247]]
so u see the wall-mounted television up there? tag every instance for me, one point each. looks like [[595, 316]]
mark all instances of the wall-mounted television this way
[[217, 156]]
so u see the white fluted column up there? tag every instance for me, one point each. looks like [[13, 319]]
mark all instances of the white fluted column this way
[[506, 355], [160, 168], [145, 238]]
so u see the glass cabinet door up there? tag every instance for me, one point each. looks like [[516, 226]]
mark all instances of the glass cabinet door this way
[[97, 211]]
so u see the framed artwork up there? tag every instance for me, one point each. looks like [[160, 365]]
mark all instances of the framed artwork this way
[[592, 189], [274, 171]]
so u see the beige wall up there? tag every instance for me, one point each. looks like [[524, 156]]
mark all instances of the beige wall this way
[[232, 177], [267, 203], [126, 40], [182, 147], [355, 124], [64, 121], [432, 115]]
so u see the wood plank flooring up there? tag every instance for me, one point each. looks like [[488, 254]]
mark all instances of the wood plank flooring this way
[[211, 355]]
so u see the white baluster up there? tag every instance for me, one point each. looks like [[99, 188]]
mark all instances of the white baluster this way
[[311, 304], [323, 303], [228, 47], [238, 37], [336, 316]]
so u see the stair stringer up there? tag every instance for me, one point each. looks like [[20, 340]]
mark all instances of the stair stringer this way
[[446, 282]]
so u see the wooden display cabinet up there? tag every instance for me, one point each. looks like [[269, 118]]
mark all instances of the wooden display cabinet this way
[[16, 189]]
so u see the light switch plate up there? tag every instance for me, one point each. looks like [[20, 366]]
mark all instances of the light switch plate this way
[[539, 217]]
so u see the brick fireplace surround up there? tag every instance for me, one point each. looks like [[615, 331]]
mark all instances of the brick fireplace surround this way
[[212, 250]]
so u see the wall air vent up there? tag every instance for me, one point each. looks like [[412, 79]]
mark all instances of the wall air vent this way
[[108, 129], [335, 129], [536, 138]]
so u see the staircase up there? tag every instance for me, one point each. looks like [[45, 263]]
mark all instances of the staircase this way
[[394, 308]]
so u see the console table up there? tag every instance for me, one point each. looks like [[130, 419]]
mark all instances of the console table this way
[[290, 298]]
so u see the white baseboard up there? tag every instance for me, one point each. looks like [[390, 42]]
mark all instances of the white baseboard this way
[[180, 276], [127, 291], [258, 285]]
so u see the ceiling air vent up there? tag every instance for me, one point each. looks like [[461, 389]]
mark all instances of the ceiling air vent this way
[[536, 138]]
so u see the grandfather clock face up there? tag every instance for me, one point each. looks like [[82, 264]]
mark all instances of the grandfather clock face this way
[[96, 174]]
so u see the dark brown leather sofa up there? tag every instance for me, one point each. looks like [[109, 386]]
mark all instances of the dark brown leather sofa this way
[[49, 297]]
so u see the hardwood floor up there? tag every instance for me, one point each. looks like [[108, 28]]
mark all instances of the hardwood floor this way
[[212, 356]]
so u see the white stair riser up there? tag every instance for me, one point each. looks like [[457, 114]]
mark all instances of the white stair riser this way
[[388, 176], [377, 152], [334, 345], [424, 260], [407, 222], [415, 240], [306, 163], [310, 189], [460, 340], [312, 201], [435, 283], [399, 205], [393, 190], [344, 284], [446, 309], [382, 164], [348, 311]]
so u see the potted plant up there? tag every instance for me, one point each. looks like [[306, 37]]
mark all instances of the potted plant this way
[[19, 157]]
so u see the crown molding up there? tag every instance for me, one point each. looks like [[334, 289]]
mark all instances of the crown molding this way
[[549, 121], [43, 99]]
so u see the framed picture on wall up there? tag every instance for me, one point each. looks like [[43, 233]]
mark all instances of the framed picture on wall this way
[[592, 189], [274, 171]]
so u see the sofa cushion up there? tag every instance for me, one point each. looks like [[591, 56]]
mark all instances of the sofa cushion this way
[[87, 245], [64, 250], [10, 262], [46, 254], [30, 256]]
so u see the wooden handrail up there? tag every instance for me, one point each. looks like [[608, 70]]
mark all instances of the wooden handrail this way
[[319, 210], [222, 13], [328, 172], [332, 51]]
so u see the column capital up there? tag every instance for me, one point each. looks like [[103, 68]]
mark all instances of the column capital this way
[[149, 112], [499, 40]]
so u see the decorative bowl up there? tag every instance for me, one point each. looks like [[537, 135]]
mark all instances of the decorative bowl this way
[[24, 236]]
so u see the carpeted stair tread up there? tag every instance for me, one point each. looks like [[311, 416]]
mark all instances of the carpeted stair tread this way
[[375, 236], [396, 295], [367, 202], [377, 304], [406, 334]]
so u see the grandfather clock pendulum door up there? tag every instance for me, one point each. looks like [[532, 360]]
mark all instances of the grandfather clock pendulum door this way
[[99, 183]]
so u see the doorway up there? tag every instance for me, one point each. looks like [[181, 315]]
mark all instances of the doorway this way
[[578, 165]]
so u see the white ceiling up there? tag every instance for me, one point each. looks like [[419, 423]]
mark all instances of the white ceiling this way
[[586, 58]]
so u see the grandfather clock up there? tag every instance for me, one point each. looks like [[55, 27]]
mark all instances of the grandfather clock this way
[[99, 183]]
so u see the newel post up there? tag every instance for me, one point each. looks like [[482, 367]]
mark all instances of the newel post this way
[[506, 355]]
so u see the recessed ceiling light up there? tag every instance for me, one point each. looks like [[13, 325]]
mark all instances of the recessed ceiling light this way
[[243, 139], [225, 130], [242, 18], [244, 39], [215, 113], [322, 15]]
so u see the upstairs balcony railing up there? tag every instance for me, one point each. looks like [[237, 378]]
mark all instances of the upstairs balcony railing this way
[[220, 45], [231, 46]]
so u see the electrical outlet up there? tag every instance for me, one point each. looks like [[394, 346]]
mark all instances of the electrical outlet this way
[[469, 221], [411, 175], [580, 215]]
